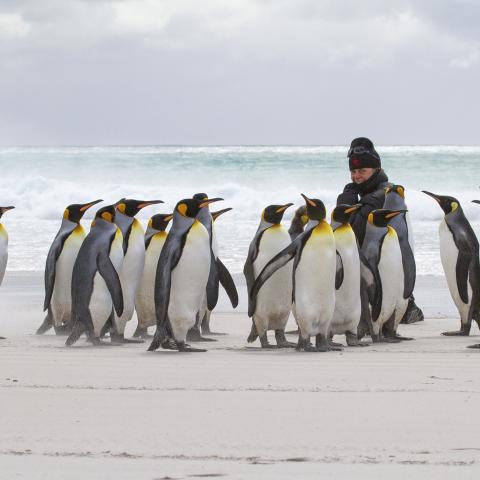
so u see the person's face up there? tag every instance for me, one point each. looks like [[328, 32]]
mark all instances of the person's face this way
[[360, 175]]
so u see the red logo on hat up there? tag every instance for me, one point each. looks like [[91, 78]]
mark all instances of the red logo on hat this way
[[356, 162]]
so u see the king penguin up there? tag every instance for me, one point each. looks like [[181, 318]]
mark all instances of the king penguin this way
[[226, 278], [95, 281], [155, 237], [58, 269], [395, 200], [299, 220], [274, 300], [314, 270], [182, 276], [218, 274], [3, 247], [459, 255], [381, 250], [133, 262], [348, 309]]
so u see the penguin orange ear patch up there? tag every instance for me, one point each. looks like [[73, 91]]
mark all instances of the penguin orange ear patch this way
[[182, 209], [121, 207], [66, 214], [370, 218], [107, 216]]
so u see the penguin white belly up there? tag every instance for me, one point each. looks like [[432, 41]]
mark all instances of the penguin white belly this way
[[131, 273], [145, 296], [100, 305], [390, 268], [347, 298], [274, 300], [3, 252], [61, 303], [315, 284], [449, 256], [189, 281]]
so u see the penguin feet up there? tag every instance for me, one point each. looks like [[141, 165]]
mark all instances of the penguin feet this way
[[98, 342], [3, 338], [353, 341], [334, 344], [119, 338], [282, 342], [193, 335], [470, 346], [183, 347], [142, 332], [265, 343], [382, 339], [413, 314], [457, 333], [63, 330], [293, 332], [206, 331]]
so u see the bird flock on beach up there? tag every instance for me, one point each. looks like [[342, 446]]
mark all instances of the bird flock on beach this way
[[316, 270]]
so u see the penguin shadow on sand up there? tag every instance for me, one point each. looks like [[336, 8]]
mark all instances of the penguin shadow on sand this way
[[459, 253]]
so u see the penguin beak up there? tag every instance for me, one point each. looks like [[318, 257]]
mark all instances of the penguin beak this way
[[86, 206], [5, 209], [216, 214], [148, 203], [431, 195], [282, 209], [475, 201], [353, 208], [390, 215], [309, 202], [207, 202], [168, 217]]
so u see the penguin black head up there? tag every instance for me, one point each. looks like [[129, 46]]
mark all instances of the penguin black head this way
[[130, 207], [447, 204], [342, 213], [315, 208], [5, 209], [189, 207], [216, 214], [160, 221], [106, 213], [200, 196], [395, 189], [75, 212], [274, 213], [382, 217]]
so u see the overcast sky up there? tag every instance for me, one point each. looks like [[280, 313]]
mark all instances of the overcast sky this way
[[239, 71]]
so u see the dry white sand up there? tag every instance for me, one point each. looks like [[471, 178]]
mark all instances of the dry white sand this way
[[388, 411]]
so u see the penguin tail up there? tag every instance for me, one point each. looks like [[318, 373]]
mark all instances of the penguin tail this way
[[78, 329], [156, 342], [45, 326], [253, 334]]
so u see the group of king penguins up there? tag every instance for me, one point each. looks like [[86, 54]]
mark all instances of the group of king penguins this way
[[315, 270]]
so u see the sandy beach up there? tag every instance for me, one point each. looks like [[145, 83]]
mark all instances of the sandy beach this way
[[236, 411]]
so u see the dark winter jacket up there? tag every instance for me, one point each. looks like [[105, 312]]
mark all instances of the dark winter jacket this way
[[371, 194]]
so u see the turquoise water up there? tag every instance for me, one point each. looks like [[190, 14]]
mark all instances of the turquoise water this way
[[40, 182]]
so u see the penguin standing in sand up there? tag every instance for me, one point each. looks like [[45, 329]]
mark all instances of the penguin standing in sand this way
[[314, 269], [3, 246], [459, 254], [347, 284], [381, 250], [218, 275], [274, 300], [155, 237], [96, 284], [58, 269], [226, 278], [182, 276], [133, 262]]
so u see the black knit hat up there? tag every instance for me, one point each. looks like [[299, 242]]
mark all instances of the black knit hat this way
[[362, 154]]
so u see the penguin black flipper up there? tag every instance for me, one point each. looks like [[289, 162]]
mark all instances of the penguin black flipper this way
[[171, 253], [227, 283], [112, 280], [340, 273], [52, 257], [277, 262], [212, 283], [409, 268], [371, 277], [462, 268], [248, 267]]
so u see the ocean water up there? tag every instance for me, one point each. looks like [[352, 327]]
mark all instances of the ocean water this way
[[40, 182]]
